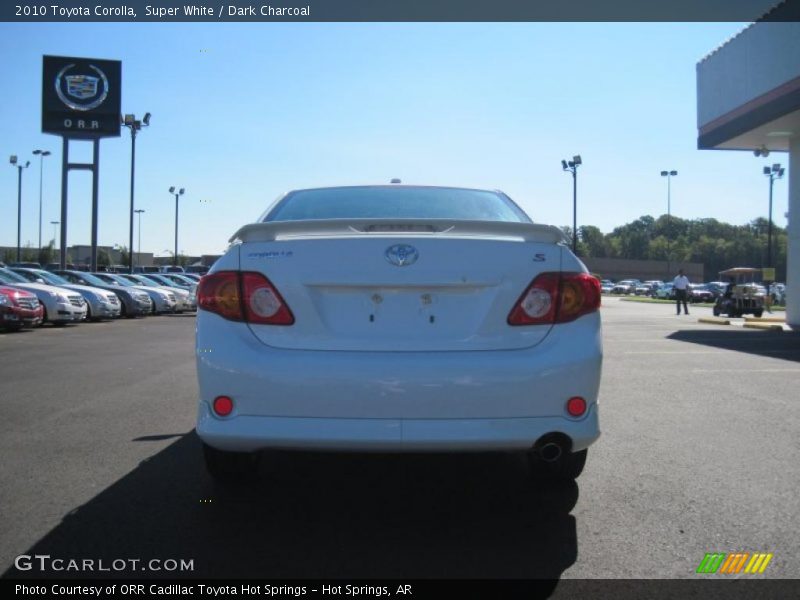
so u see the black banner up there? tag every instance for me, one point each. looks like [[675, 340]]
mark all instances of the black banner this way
[[81, 97], [397, 10], [412, 589]]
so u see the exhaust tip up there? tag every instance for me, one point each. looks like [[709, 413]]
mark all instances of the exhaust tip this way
[[550, 452], [552, 447]]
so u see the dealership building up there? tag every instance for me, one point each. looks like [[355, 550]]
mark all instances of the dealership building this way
[[748, 98]]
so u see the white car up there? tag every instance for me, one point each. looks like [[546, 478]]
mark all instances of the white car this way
[[398, 318], [61, 306]]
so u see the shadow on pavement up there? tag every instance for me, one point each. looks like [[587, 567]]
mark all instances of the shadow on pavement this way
[[327, 515], [784, 345]]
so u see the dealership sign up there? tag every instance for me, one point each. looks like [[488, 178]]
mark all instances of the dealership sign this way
[[81, 97]]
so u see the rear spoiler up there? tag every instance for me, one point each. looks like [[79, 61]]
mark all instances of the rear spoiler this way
[[286, 230]]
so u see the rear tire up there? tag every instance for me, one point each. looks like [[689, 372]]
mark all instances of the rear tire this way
[[228, 467], [757, 313], [716, 311], [567, 468]]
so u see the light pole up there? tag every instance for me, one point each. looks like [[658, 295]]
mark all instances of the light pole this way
[[775, 172], [572, 167], [669, 175], [139, 212], [55, 225], [41, 154], [13, 161], [177, 195], [135, 126]]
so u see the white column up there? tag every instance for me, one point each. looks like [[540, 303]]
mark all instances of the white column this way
[[793, 230]]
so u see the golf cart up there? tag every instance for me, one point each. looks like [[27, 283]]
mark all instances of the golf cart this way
[[741, 297]]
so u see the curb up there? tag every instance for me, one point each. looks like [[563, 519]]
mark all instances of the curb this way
[[765, 320], [714, 321], [764, 326]]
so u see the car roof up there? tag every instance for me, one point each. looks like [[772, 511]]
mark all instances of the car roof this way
[[395, 185]]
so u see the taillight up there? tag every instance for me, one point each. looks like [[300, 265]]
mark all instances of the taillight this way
[[576, 406], [556, 298], [219, 293], [223, 406], [243, 296], [262, 302]]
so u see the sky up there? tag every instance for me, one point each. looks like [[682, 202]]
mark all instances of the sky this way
[[243, 112]]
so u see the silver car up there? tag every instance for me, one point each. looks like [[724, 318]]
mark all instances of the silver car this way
[[61, 306], [163, 301], [100, 304]]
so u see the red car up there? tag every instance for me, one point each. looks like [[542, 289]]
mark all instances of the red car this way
[[19, 308]]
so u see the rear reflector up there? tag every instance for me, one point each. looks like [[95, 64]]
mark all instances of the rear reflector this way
[[556, 298], [243, 296], [576, 406], [223, 406]]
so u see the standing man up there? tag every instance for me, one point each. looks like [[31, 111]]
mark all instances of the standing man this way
[[681, 285]]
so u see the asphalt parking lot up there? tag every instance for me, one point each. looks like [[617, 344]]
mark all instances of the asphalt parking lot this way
[[699, 453]]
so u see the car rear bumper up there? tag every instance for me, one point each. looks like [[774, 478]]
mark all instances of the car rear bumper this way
[[477, 400], [251, 433]]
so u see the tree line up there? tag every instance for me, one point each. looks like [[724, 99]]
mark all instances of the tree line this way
[[717, 245]]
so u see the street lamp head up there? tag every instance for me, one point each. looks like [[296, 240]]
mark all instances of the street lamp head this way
[[12, 159], [767, 171], [664, 173], [577, 159], [129, 120], [172, 189], [564, 165], [27, 164], [776, 167], [673, 173], [181, 191], [146, 120], [780, 172], [37, 152]]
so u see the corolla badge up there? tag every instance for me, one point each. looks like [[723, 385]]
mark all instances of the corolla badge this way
[[81, 91], [402, 255]]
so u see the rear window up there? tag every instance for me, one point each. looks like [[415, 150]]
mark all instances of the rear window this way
[[396, 203]]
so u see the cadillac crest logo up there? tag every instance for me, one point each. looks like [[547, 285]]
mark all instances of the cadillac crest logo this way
[[81, 90], [402, 255]]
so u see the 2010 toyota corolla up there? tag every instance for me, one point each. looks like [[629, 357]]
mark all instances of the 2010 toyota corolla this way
[[398, 318]]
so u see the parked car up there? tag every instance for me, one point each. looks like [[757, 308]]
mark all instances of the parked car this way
[[717, 288], [626, 286], [19, 309], [171, 269], [61, 306], [29, 265], [666, 292], [180, 279], [199, 269], [340, 333], [163, 302], [146, 269], [100, 304], [193, 276], [699, 292], [606, 285], [132, 302], [185, 300]]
